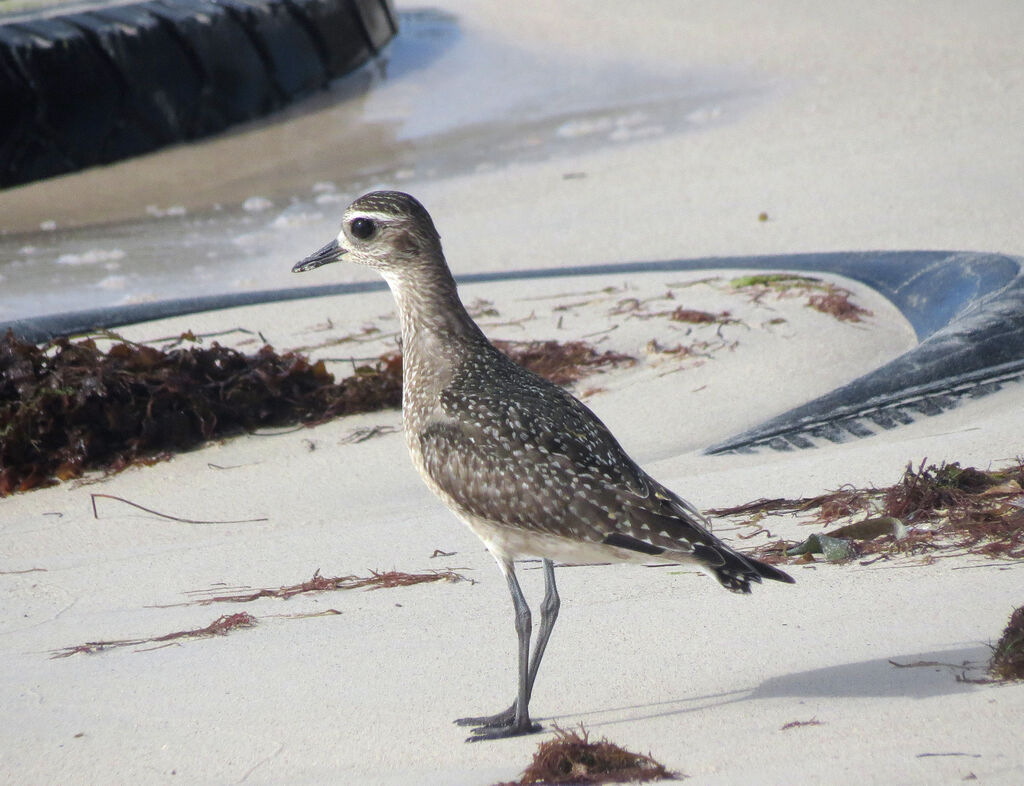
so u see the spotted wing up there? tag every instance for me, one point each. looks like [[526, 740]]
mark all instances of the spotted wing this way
[[522, 452]]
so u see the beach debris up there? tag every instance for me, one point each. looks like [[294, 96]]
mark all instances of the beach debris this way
[[367, 333], [837, 546], [797, 724], [933, 510], [695, 316], [571, 758], [191, 337], [960, 670], [633, 306], [219, 627], [558, 295], [562, 362], [96, 515], [636, 308], [376, 580], [1007, 661], [833, 549], [820, 295], [836, 302], [366, 433], [925, 664], [480, 308], [697, 350], [765, 505], [761, 283], [868, 529]]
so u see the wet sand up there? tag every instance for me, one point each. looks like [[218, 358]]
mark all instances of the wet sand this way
[[862, 131]]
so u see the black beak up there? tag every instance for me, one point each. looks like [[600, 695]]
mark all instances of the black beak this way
[[330, 253]]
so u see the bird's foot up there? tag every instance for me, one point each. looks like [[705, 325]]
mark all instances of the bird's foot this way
[[481, 733], [504, 718], [496, 727]]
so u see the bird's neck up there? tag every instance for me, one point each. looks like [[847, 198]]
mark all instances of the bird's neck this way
[[437, 330]]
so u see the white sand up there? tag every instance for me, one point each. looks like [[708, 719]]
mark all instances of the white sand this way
[[883, 129]]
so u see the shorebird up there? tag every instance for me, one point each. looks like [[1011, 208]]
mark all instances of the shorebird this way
[[529, 468]]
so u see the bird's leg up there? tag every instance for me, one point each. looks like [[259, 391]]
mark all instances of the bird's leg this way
[[506, 723], [519, 723], [548, 614]]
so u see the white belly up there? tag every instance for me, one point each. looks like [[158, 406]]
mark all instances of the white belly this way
[[512, 543]]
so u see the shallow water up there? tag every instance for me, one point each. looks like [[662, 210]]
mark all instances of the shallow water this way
[[233, 212]]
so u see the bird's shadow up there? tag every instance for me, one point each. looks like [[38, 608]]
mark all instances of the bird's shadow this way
[[915, 676]]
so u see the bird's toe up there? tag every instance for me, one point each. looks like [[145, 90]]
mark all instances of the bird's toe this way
[[482, 733]]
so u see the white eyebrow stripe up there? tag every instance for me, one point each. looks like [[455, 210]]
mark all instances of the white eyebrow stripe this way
[[371, 214]]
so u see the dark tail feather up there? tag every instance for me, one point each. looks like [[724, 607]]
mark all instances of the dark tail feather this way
[[735, 572]]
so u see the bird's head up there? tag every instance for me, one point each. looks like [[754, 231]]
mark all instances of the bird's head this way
[[386, 230]]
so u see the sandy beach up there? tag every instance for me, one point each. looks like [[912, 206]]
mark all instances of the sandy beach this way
[[875, 126]]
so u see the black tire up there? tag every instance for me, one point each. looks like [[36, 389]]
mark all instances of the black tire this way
[[96, 86]]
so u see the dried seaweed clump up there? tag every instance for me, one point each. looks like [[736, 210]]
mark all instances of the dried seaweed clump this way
[[979, 510], [931, 509], [943, 487], [1007, 661], [836, 302], [561, 363], [67, 407], [571, 758]]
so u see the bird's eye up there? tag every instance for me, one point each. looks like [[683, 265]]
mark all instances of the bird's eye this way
[[362, 228]]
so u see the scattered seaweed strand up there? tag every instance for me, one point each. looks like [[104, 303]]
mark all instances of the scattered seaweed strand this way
[[219, 627], [376, 580], [96, 514]]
